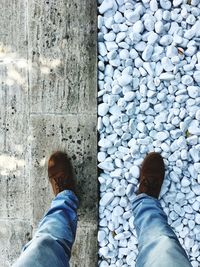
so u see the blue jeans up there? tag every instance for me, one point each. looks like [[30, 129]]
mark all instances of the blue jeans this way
[[52, 242], [158, 244]]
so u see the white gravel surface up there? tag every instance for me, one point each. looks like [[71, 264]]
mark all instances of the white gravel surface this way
[[149, 100]]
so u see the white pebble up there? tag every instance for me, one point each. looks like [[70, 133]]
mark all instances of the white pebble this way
[[176, 3], [166, 76], [105, 143], [148, 100], [120, 191], [147, 53], [103, 109], [105, 6], [129, 96], [135, 171], [185, 182], [197, 76], [124, 79], [161, 136], [102, 49], [106, 199], [165, 4], [194, 127], [106, 165], [104, 264], [166, 40], [197, 218], [153, 5], [159, 27], [131, 15], [118, 211], [193, 91], [144, 106], [187, 80], [167, 64], [101, 235]]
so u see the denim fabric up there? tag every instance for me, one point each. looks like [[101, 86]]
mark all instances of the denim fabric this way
[[52, 242], [158, 244]]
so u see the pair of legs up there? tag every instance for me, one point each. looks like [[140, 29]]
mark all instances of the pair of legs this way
[[52, 243]]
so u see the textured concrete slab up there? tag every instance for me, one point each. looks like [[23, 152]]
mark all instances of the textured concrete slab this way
[[47, 102], [12, 235], [75, 134], [14, 178], [62, 40], [13, 30], [84, 253]]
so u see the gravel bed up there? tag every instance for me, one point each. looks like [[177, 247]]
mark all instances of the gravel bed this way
[[149, 100]]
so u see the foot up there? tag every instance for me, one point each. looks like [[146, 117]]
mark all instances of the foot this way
[[152, 175], [60, 173]]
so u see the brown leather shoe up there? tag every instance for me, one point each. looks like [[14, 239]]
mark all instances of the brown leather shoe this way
[[60, 173], [152, 175]]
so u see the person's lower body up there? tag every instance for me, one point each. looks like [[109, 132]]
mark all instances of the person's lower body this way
[[52, 242], [158, 244]]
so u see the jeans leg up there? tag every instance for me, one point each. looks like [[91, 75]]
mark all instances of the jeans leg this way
[[52, 242], [158, 244]]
